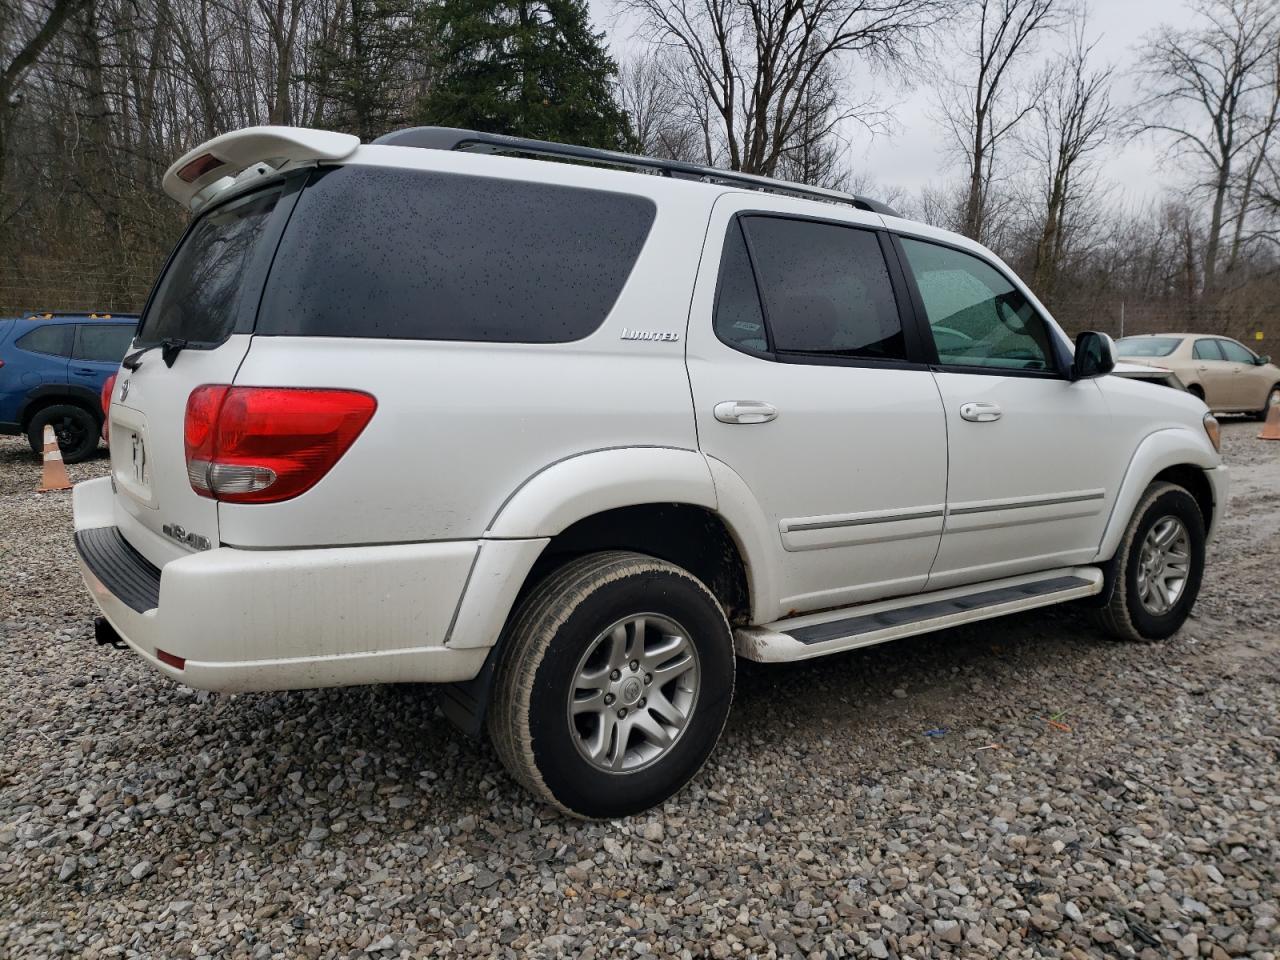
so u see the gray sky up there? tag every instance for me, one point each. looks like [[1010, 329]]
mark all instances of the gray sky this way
[[913, 154]]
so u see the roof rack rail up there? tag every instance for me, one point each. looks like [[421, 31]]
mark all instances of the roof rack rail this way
[[451, 138], [90, 314]]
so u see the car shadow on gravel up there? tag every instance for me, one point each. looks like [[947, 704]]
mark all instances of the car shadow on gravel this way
[[932, 682], [249, 758]]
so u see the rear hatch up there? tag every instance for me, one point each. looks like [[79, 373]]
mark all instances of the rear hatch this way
[[195, 330]]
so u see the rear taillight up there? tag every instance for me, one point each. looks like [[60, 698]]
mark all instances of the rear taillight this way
[[107, 387], [267, 444]]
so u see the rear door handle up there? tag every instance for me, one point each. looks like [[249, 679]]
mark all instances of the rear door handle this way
[[84, 371], [980, 412], [745, 411]]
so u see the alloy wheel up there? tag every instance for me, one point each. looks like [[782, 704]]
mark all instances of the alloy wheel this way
[[1164, 565], [633, 693]]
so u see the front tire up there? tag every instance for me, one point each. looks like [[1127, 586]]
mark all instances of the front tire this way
[[1159, 566], [1273, 400], [613, 685]]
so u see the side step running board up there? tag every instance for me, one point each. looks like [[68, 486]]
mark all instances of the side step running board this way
[[814, 635]]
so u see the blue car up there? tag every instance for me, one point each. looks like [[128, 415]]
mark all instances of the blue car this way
[[52, 368]]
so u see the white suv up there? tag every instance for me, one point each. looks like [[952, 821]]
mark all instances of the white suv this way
[[568, 438]]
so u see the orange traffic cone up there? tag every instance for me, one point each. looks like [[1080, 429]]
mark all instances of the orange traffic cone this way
[[1271, 429], [55, 474]]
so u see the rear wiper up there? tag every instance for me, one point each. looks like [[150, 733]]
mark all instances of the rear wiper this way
[[170, 347]]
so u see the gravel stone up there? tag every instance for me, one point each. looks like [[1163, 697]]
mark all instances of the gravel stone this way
[[139, 818]]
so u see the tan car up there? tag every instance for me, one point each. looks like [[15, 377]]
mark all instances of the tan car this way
[[1226, 375]]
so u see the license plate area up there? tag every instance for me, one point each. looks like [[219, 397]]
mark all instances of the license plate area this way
[[131, 455]]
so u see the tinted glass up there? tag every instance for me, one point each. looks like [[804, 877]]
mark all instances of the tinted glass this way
[[826, 289], [104, 342], [381, 252], [1207, 350], [54, 339], [978, 318], [199, 297], [1147, 346], [1234, 352], [739, 320]]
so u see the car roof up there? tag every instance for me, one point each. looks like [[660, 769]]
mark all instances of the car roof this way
[[63, 316]]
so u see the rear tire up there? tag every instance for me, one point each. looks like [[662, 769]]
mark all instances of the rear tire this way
[[75, 427], [1159, 566], [613, 684]]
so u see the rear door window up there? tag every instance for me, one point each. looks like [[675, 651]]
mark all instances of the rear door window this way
[[1207, 350], [103, 342], [739, 321], [53, 339], [411, 254], [200, 297], [825, 287]]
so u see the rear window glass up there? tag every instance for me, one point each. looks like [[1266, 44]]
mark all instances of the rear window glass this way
[[1147, 346], [199, 297], [54, 339], [104, 342], [408, 254]]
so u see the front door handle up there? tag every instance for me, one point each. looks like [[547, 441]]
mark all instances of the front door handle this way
[[745, 411], [980, 412]]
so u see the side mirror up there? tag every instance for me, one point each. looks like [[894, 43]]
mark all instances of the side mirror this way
[[1262, 360], [1095, 355]]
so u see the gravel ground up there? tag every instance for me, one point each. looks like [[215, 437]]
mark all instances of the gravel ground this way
[[1014, 789]]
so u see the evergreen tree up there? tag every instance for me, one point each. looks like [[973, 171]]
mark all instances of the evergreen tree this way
[[367, 66], [530, 68]]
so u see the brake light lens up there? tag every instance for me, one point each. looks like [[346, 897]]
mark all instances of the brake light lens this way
[[198, 167], [267, 444], [107, 388]]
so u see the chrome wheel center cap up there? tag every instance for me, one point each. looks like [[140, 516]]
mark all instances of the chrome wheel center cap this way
[[631, 691]]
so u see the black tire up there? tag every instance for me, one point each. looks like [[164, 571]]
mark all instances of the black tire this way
[[1124, 615], [544, 647], [1272, 400], [76, 428]]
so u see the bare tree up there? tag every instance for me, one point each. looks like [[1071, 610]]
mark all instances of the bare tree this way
[[20, 49], [1204, 85], [985, 100], [757, 63], [662, 121], [1074, 119], [1258, 186]]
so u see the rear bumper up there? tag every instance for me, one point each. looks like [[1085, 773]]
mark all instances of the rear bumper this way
[[280, 619]]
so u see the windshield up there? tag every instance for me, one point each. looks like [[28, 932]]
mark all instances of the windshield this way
[[1147, 346], [199, 297]]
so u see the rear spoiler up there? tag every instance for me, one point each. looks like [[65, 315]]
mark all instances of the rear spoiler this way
[[200, 174]]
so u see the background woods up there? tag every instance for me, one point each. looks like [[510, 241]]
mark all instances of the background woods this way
[[97, 97]]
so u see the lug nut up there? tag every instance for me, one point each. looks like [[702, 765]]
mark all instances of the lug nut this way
[[635, 665], [622, 712], [641, 703], [648, 678], [615, 674], [609, 698]]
